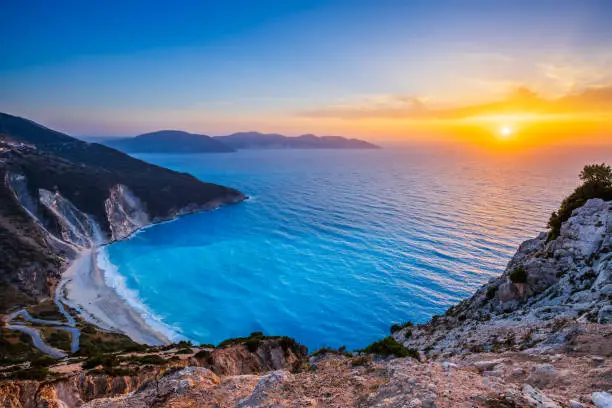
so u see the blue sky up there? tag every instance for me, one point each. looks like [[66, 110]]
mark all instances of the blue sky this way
[[117, 68]]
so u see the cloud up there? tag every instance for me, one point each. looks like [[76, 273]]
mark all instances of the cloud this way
[[566, 75], [387, 106], [521, 100]]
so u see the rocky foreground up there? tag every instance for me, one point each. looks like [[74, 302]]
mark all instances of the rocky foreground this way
[[537, 336], [277, 376]]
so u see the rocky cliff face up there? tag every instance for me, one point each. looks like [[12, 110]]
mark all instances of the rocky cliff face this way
[[549, 292], [150, 384], [126, 213]]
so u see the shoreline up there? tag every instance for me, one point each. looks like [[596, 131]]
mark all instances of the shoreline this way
[[83, 287]]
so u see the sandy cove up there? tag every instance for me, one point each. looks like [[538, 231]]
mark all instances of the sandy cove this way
[[84, 288]]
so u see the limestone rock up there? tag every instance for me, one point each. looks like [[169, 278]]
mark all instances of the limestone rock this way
[[537, 398], [602, 399]]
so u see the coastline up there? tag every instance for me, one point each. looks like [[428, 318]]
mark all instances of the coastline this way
[[84, 288]]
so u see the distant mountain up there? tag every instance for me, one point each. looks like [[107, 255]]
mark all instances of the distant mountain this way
[[176, 141], [168, 141], [256, 140]]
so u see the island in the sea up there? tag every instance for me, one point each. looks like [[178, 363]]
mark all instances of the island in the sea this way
[[176, 141]]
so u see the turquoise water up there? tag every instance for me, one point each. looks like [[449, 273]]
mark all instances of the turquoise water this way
[[335, 246]]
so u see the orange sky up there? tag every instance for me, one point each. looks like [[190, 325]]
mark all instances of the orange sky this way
[[430, 71]]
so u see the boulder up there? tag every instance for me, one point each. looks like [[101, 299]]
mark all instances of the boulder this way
[[602, 399], [605, 315]]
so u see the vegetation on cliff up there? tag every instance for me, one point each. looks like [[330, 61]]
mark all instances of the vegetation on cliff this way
[[391, 347], [596, 183]]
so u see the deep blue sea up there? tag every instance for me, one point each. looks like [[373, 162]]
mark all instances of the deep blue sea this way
[[335, 246]]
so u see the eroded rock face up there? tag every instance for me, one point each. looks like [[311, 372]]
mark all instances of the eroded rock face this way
[[238, 360], [568, 281], [18, 184], [125, 212], [579, 252], [75, 227], [150, 385]]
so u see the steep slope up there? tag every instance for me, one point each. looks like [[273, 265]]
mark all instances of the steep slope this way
[[550, 292], [59, 193], [169, 141], [256, 140]]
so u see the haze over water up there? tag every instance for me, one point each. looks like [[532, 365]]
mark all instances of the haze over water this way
[[335, 246]]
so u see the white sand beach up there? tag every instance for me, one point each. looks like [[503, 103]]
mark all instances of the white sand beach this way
[[85, 289]]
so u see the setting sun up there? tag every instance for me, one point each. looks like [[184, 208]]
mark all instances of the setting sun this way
[[505, 132]]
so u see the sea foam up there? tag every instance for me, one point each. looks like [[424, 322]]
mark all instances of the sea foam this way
[[118, 282]]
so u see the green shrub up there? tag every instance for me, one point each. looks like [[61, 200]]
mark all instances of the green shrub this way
[[42, 362], [60, 339], [597, 183], [491, 290], [152, 359], [202, 354], [252, 344], [35, 373], [518, 275], [341, 351], [389, 346], [361, 361], [106, 361], [399, 326]]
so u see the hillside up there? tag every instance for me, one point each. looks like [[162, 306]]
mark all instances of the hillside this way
[[169, 141], [59, 194]]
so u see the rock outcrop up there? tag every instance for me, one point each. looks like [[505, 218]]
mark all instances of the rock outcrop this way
[[126, 213], [146, 385], [551, 291]]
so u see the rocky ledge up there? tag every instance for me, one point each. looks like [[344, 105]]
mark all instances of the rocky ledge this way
[[550, 292]]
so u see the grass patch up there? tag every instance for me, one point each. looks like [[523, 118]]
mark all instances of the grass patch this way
[[95, 342], [59, 339], [16, 347]]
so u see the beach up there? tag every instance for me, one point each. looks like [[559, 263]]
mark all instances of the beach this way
[[85, 289]]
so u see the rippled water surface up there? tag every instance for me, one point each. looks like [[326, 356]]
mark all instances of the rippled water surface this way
[[335, 246]]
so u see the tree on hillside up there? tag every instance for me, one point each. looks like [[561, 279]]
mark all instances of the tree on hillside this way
[[596, 183], [597, 173]]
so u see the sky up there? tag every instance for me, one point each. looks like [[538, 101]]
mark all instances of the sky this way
[[481, 72]]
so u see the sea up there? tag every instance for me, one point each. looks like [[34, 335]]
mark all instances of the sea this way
[[335, 246]]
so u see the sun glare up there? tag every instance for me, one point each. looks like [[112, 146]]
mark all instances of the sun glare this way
[[505, 132]]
